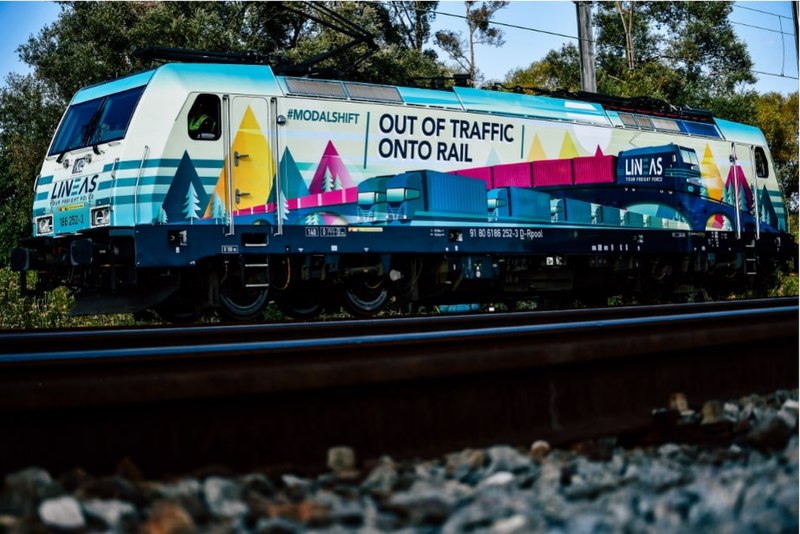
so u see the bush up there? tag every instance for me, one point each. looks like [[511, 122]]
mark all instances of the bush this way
[[50, 311]]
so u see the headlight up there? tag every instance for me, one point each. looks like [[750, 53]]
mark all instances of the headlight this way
[[101, 216], [44, 225]]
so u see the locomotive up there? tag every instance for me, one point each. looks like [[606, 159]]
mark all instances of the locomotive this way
[[198, 186]]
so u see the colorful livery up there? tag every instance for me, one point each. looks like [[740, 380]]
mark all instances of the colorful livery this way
[[198, 186]]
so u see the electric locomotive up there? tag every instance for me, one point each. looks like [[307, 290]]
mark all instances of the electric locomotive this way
[[193, 187]]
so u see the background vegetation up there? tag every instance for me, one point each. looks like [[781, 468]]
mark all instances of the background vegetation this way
[[683, 52]]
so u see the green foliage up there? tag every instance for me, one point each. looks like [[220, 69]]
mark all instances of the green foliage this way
[[396, 58], [479, 32], [788, 281], [560, 69], [777, 116], [683, 52], [51, 311]]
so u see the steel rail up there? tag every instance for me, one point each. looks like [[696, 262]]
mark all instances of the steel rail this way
[[80, 339], [276, 400]]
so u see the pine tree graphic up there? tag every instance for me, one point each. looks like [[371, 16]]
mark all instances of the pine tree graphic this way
[[285, 204], [161, 218], [328, 181], [744, 205], [217, 208], [192, 205], [728, 196]]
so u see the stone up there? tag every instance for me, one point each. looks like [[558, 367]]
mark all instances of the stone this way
[[223, 497], [678, 402], [713, 412], [341, 459], [23, 489], [505, 458], [111, 513], [791, 405], [166, 517], [383, 477], [258, 483], [62, 513], [424, 504], [501, 478], [539, 450], [517, 523], [771, 434], [277, 525], [589, 479], [659, 477]]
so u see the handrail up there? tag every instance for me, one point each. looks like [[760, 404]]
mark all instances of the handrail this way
[[226, 143], [136, 189]]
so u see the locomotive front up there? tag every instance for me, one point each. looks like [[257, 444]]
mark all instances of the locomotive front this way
[[74, 241]]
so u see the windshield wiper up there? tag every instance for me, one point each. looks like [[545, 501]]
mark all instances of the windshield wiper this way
[[92, 126]]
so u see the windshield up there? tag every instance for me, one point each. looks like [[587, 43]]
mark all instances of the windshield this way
[[96, 121]]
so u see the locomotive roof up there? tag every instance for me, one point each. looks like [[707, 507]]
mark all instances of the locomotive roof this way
[[260, 79]]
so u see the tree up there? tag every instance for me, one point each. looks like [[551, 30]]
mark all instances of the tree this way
[[683, 52], [392, 60], [777, 116], [29, 111], [479, 32], [413, 19], [560, 69]]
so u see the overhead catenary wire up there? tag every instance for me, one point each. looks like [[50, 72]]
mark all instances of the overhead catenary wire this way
[[737, 6], [595, 42]]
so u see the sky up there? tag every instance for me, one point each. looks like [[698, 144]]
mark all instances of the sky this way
[[773, 54]]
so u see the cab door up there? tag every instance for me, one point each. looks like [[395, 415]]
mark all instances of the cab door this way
[[739, 187], [251, 157]]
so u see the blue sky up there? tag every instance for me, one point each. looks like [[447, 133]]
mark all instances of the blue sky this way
[[771, 52]]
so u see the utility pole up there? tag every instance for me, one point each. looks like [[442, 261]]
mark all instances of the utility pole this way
[[796, 45], [586, 46]]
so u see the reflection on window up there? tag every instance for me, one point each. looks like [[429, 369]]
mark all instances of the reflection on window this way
[[762, 169], [627, 119], [669, 125], [643, 122], [96, 121], [204, 118]]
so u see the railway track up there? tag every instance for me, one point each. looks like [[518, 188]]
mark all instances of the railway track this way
[[250, 396]]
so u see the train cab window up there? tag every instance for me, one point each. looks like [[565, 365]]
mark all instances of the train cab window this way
[[203, 122], [762, 169], [628, 120], [690, 156], [643, 122]]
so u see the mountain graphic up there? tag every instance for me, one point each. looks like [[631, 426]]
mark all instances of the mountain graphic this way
[[185, 185], [254, 173], [568, 150], [745, 193], [711, 177], [766, 209], [292, 184], [536, 153], [331, 173]]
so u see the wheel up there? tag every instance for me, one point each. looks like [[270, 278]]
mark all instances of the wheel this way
[[239, 303], [300, 305], [366, 295], [242, 304]]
